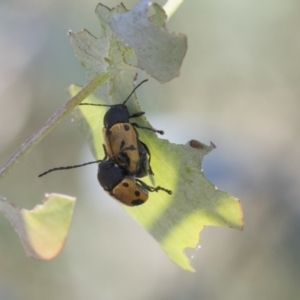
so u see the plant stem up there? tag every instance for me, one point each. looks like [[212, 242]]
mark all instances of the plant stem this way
[[52, 122]]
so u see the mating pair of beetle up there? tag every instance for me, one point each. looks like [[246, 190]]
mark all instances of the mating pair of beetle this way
[[126, 157]]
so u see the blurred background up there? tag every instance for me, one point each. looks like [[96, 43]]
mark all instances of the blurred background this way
[[239, 88]]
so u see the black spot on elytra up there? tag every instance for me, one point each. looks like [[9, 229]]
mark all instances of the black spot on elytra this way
[[137, 193], [125, 184], [137, 202], [126, 127]]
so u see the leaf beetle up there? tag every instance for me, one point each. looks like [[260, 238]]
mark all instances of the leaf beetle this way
[[122, 185], [119, 130], [118, 181]]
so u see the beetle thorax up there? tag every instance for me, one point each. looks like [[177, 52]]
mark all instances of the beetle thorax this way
[[109, 174], [116, 114]]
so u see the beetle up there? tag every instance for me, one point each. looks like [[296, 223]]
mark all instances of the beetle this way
[[118, 181], [119, 131], [124, 135]]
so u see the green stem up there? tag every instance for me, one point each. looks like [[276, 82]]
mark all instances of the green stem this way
[[52, 122], [171, 6]]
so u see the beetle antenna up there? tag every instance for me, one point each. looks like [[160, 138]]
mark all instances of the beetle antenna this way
[[110, 105], [88, 163], [70, 167], [94, 104], [135, 90]]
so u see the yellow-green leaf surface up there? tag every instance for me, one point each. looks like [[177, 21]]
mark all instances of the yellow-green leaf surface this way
[[44, 229], [176, 220]]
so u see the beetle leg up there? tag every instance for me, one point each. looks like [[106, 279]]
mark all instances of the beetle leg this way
[[149, 154], [138, 114], [122, 155], [152, 188], [148, 128]]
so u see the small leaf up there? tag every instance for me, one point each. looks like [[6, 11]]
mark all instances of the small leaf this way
[[174, 221], [156, 51], [42, 230], [159, 52], [105, 54]]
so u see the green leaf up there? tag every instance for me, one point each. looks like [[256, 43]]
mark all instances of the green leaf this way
[[42, 230], [174, 221]]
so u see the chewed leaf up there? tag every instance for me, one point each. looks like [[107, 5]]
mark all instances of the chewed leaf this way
[[42, 230], [176, 220], [159, 52], [152, 48], [105, 54]]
